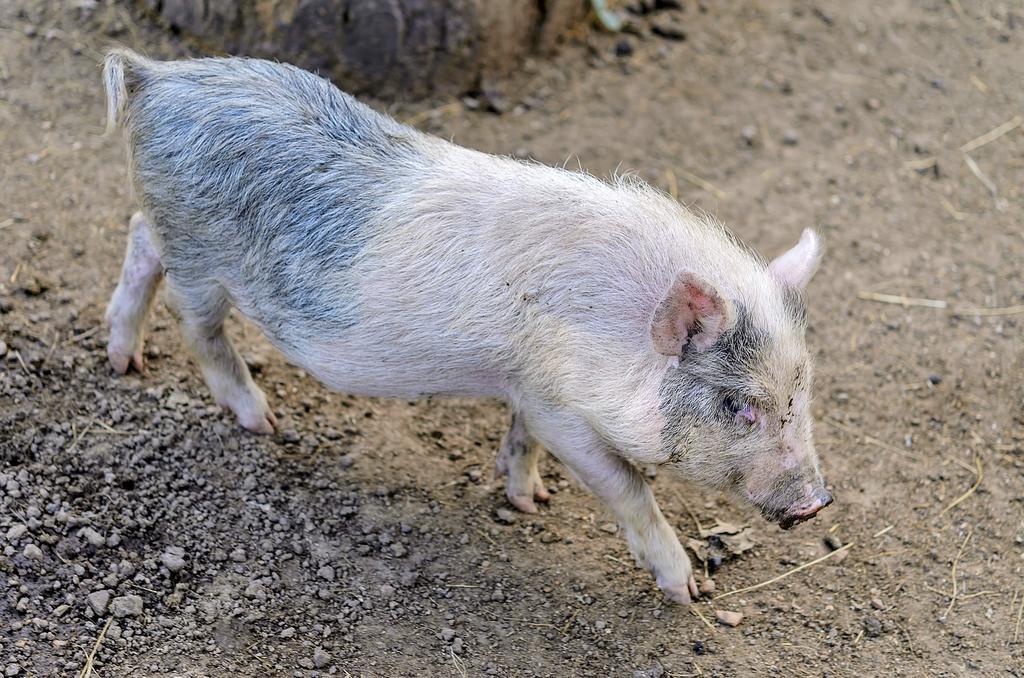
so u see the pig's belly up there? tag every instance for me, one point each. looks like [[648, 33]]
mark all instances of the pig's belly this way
[[365, 367]]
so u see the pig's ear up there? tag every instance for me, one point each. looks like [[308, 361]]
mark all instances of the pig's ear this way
[[795, 267], [692, 312]]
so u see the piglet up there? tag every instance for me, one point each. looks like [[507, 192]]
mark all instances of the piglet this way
[[621, 328]]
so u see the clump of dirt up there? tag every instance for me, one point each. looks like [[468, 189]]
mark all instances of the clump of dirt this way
[[144, 533]]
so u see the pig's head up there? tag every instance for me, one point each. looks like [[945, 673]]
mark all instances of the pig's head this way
[[737, 405]]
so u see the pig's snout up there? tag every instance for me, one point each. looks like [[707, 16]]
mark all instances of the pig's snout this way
[[807, 509]]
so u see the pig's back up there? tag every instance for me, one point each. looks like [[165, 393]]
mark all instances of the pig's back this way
[[266, 180]]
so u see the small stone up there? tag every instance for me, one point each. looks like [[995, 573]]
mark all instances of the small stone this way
[[790, 137], [707, 587], [12, 670], [749, 135], [624, 48], [935, 379], [32, 552], [326, 572], [505, 516], [3, 348], [173, 560], [287, 633], [728, 618], [398, 549], [126, 606], [16, 532], [387, 590], [873, 104], [61, 610], [610, 528], [668, 31], [238, 555], [833, 542], [600, 624], [447, 634], [92, 536], [255, 591], [98, 602], [320, 658], [290, 436], [877, 604], [872, 627]]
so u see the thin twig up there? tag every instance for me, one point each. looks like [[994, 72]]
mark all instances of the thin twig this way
[[980, 474], [487, 537], [952, 598], [87, 669], [703, 183], [460, 666], [673, 185], [901, 300], [74, 339], [868, 439], [785, 574], [1020, 614], [980, 176], [417, 118], [882, 531], [990, 136], [568, 623], [693, 609]]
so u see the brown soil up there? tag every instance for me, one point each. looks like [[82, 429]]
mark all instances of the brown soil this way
[[794, 114]]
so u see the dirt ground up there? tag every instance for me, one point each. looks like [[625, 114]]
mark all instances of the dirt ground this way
[[364, 538]]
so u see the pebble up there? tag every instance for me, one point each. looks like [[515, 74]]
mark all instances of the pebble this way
[[92, 536], [790, 137], [505, 516], [16, 532], [934, 379], [126, 606], [872, 627], [32, 552], [326, 572], [877, 604], [707, 587], [12, 670], [623, 48], [238, 555], [833, 542], [749, 135], [98, 601], [668, 31], [173, 559], [287, 633], [610, 528], [447, 634], [729, 618], [321, 658], [3, 348]]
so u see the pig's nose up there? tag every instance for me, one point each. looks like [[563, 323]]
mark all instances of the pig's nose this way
[[822, 498]]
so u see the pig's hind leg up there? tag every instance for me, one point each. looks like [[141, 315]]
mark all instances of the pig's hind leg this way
[[517, 459], [202, 306], [126, 313]]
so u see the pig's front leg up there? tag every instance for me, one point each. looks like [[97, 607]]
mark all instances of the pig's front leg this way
[[622, 487], [517, 459]]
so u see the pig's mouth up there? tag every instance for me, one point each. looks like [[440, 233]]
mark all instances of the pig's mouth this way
[[790, 517]]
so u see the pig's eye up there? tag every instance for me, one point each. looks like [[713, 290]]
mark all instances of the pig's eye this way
[[743, 412]]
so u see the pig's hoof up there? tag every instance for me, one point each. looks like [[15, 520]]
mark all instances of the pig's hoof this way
[[121, 360], [681, 593], [523, 503], [522, 495], [264, 423]]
